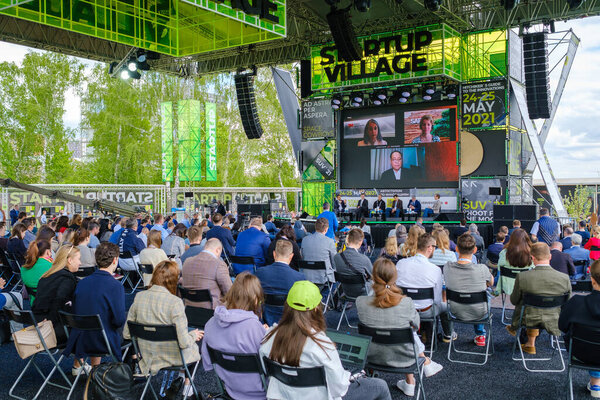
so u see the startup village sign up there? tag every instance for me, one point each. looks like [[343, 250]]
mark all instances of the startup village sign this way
[[390, 56]]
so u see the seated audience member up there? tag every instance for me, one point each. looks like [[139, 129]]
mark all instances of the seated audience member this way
[[466, 277], [442, 254], [159, 221], [583, 232], [461, 229], [390, 251], [207, 270], [224, 235], [515, 255], [37, 262], [270, 226], [105, 230], [401, 235], [318, 247], [584, 310], [94, 229], [418, 272], [593, 243], [129, 241], [100, 293], [159, 305], [236, 328], [478, 239], [392, 232], [566, 240], [351, 262], [10, 300], [62, 224], [15, 245], [76, 222], [285, 233], [409, 247], [3, 238], [578, 253], [331, 218], [388, 308], [364, 227], [118, 228], [562, 262], [29, 235], [515, 225], [299, 230], [81, 239], [541, 280], [197, 244], [278, 278], [153, 254], [252, 242], [174, 244], [494, 249], [504, 229], [299, 340], [56, 289]]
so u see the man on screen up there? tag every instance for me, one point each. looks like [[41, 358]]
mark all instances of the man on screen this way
[[396, 173]]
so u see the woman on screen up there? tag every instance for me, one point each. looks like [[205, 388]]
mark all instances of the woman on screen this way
[[372, 135], [426, 125]]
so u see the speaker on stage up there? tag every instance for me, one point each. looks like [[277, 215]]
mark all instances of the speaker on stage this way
[[537, 82], [450, 216]]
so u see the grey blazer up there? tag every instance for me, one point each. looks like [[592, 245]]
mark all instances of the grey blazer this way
[[318, 247]]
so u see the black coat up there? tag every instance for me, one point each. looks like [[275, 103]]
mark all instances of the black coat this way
[[579, 310], [562, 262]]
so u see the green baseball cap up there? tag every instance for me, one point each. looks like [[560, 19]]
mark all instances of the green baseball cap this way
[[304, 296]]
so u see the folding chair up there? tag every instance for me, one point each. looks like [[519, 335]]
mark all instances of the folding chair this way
[[26, 317], [581, 267], [273, 303], [319, 266], [129, 264], [160, 333], [584, 346], [83, 272], [197, 316], [31, 291], [238, 363], [544, 302], [243, 260], [15, 266], [470, 299], [582, 286], [425, 294], [144, 269], [507, 273], [6, 271], [225, 258], [345, 297], [85, 323], [295, 376], [388, 337]]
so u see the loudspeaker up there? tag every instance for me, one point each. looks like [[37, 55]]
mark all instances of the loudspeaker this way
[[188, 194], [304, 215], [305, 81], [537, 83], [244, 87], [347, 45], [526, 212], [503, 211], [450, 216], [495, 191]]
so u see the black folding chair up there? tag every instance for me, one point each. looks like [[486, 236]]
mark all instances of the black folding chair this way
[[144, 269], [160, 333], [26, 317], [544, 302], [425, 294], [582, 286], [86, 323], [7, 271], [390, 337], [346, 297], [131, 262], [584, 351], [319, 266], [470, 299], [294, 376], [275, 303], [83, 272], [581, 267], [31, 291], [238, 363], [507, 273], [197, 316], [15, 267], [242, 260]]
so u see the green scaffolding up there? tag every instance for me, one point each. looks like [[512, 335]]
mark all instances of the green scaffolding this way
[[190, 125], [166, 112], [314, 194]]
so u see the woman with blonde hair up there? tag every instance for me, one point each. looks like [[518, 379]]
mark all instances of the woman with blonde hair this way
[[153, 254], [442, 253], [389, 308], [390, 251], [236, 328], [409, 248]]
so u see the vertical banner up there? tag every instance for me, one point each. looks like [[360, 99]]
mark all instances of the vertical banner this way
[[166, 113], [189, 128], [211, 141]]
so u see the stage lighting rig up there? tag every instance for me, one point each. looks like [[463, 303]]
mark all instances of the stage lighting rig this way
[[451, 91]]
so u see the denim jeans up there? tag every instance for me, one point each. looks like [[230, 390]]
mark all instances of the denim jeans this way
[[479, 329]]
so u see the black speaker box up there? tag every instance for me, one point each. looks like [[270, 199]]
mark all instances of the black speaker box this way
[[526, 212], [244, 87], [305, 81], [535, 61], [502, 211], [450, 216], [347, 45], [188, 194]]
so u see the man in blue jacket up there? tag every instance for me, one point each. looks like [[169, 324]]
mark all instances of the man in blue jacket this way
[[278, 278], [14, 214], [331, 218], [223, 234], [252, 242], [129, 240]]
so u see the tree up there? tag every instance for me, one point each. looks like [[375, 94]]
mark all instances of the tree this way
[[579, 203]]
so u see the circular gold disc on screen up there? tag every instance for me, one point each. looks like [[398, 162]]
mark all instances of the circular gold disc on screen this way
[[471, 153]]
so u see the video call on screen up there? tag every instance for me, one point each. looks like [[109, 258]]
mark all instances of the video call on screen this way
[[399, 147]]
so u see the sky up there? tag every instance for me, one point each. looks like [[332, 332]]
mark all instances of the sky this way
[[572, 142]]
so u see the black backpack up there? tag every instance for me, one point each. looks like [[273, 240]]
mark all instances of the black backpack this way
[[110, 381]]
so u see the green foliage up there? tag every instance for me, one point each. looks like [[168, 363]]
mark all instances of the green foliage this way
[[442, 125], [580, 202]]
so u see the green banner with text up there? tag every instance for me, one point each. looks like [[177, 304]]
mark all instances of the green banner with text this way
[[211, 141]]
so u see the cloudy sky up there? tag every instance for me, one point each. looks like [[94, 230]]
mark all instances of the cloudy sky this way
[[571, 144]]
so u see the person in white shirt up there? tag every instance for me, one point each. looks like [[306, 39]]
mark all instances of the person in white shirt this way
[[299, 340], [419, 272]]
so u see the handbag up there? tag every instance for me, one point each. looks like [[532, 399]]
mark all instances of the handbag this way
[[27, 341], [110, 381]]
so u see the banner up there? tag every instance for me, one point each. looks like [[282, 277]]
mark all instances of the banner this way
[[478, 204], [483, 104], [317, 119], [211, 141], [189, 129], [166, 119]]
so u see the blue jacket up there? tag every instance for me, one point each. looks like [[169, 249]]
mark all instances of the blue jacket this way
[[271, 228], [277, 278], [100, 294], [130, 242], [116, 236], [585, 236], [251, 243], [14, 216], [333, 223], [566, 242], [224, 235], [417, 205]]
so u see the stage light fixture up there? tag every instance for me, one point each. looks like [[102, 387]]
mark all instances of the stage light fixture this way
[[125, 74], [342, 30], [132, 65], [377, 101], [355, 104], [402, 99], [429, 88], [357, 97], [362, 5], [451, 91], [426, 93], [135, 74], [336, 101], [405, 91], [381, 94]]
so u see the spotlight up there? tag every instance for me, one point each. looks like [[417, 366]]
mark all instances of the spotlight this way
[[357, 97], [429, 88], [402, 99], [381, 94], [450, 91], [377, 101], [425, 93], [405, 91], [132, 65], [336, 102], [135, 74], [124, 74], [362, 5], [432, 5]]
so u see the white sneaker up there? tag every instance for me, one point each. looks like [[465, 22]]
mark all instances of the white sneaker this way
[[432, 368], [406, 388], [188, 391], [86, 366]]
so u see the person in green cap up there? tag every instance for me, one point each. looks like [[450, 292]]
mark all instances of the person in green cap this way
[[300, 341]]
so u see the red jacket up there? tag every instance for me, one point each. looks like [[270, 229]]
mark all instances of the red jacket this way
[[593, 245]]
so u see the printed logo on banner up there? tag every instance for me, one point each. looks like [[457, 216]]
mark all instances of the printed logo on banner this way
[[317, 119], [478, 204], [211, 141], [483, 104]]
